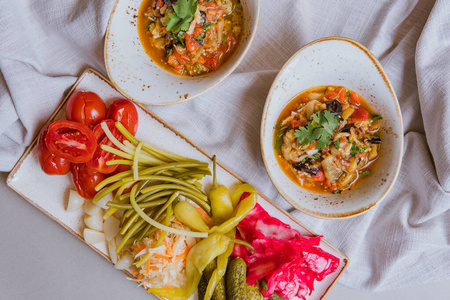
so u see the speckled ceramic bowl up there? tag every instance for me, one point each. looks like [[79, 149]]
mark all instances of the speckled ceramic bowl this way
[[343, 62], [138, 78]]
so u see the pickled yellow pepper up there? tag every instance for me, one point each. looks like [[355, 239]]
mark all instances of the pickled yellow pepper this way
[[221, 205], [188, 215]]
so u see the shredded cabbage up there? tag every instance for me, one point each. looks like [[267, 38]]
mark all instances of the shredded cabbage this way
[[165, 266]]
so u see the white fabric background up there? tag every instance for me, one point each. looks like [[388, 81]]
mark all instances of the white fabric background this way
[[404, 241]]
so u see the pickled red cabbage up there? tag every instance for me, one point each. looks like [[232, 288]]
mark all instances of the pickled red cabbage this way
[[286, 260]]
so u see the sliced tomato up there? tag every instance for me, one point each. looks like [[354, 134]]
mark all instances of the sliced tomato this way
[[86, 108], [50, 163], [355, 98], [229, 44], [336, 94], [360, 114], [98, 161], [320, 176], [71, 140], [85, 180], [191, 43], [125, 112], [212, 61]]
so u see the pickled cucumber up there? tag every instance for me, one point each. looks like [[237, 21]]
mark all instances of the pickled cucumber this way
[[219, 291], [202, 285], [237, 287]]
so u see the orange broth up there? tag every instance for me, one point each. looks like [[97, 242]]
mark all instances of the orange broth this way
[[158, 55], [315, 186]]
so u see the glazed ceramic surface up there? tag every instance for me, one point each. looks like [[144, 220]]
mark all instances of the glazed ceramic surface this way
[[138, 78], [50, 193], [342, 62]]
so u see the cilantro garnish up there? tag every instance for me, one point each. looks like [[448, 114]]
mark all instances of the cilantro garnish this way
[[178, 38], [347, 93], [201, 36], [208, 25], [313, 157], [320, 131], [147, 27], [279, 136], [223, 39], [183, 14], [337, 143], [365, 173], [376, 117], [356, 150], [336, 192]]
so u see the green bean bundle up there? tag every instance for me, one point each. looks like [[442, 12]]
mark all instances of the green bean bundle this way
[[157, 178]]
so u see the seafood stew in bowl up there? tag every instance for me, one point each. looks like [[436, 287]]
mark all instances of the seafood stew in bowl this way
[[333, 66], [327, 139], [194, 48]]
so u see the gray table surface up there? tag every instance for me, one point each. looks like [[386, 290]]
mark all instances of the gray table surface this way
[[39, 259]]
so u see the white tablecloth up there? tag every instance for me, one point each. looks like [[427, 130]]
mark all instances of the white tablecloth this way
[[404, 241]]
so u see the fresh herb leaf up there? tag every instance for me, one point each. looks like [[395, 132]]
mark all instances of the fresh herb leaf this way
[[201, 36], [223, 39], [147, 27], [376, 117], [336, 192], [347, 93], [178, 38], [208, 25], [279, 136], [337, 143], [168, 53], [313, 157], [320, 132], [365, 173], [183, 14], [356, 150]]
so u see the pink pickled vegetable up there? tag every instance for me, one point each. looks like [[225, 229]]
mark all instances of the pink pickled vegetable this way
[[288, 261]]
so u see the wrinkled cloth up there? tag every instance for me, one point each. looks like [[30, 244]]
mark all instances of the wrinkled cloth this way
[[404, 241]]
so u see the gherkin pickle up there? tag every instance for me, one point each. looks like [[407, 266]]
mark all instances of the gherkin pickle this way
[[237, 288], [219, 291], [201, 288]]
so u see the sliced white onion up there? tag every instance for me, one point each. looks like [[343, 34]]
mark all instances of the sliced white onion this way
[[124, 261], [312, 152], [111, 228], [102, 202], [112, 250], [91, 208], [94, 222], [75, 201], [93, 236]]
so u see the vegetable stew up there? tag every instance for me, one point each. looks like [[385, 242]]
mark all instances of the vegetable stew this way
[[327, 138], [190, 37]]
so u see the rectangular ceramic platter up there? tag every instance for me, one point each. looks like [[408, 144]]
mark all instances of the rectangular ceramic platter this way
[[49, 193]]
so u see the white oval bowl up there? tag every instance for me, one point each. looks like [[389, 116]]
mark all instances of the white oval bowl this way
[[138, 78], [343, 62]]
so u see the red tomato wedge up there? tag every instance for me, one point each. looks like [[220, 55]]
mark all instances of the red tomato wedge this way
[[359, 114], [50, 163], [355, 98], [85, 180], [98, 161], [125, 112], [86, 108], [71, 140]]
